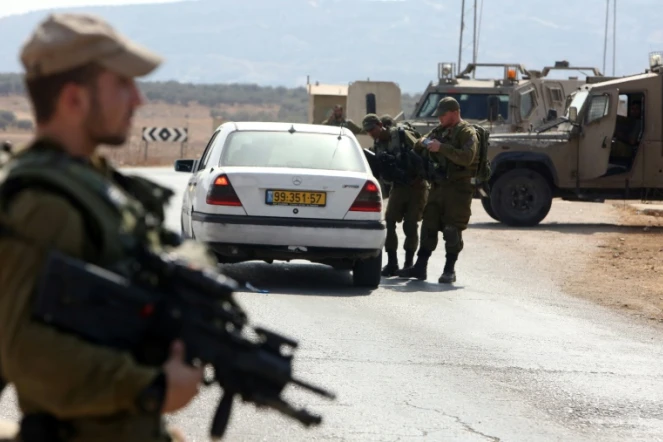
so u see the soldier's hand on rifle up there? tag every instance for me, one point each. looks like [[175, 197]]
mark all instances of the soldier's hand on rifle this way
[[182, 380], [434, 146]]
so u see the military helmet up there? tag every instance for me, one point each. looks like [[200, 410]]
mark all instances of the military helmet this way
[[370, 121], [446, 104], [387, 121]]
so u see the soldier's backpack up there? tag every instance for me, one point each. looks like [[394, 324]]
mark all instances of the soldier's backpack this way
[[409, 127], [483, 170]]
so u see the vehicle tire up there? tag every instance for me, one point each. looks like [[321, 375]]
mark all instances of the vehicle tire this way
[[521, 198], [367, 272], [485, 202]]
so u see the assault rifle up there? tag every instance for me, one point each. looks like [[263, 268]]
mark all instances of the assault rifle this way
[[156, 299]]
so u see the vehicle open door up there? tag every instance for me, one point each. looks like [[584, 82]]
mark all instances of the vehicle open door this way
[[598, 126]]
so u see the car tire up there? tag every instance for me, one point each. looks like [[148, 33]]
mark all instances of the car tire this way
[[367, 272], [521, 198], [485, 202]]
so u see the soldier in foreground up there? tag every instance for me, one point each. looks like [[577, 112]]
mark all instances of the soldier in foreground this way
[[409, 189], [451, 148], [337, 119], [80, 78]]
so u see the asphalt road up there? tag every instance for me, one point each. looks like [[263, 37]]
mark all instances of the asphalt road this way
[[503, 355]]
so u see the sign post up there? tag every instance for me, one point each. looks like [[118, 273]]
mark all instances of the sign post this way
[[165, 135]]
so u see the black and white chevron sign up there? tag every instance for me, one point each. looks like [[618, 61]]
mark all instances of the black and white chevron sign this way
[[165, 134]]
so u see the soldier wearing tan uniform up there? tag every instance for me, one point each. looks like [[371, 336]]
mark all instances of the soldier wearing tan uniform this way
[[80, 76]]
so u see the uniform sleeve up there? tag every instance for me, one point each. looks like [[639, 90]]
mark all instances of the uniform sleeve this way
[[465, 153], [53, 371], [354, 128]]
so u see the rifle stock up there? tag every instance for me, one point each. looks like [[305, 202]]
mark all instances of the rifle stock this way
[[162, 300]]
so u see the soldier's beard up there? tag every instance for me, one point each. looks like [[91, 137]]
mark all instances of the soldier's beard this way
[[97, 128]]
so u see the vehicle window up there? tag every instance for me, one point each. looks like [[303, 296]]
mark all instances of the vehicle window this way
[[298, 150], [207, 152], [527, 103], [598, 107], [472, 106], [556, 94]]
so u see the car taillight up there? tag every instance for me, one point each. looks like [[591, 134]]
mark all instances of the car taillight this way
[[368, 200], [221, 193]]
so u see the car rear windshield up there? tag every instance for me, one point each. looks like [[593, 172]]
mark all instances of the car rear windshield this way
[[297, 150]]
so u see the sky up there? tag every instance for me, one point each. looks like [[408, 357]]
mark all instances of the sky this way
[[9, 7]]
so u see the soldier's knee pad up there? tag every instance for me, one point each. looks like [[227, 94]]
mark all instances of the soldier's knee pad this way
[[452, 236]]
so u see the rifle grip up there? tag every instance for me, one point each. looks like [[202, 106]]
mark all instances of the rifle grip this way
[[222, 416]]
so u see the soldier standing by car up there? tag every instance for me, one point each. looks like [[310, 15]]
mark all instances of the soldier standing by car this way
[[337, 119], [409, 191], [451, 152]]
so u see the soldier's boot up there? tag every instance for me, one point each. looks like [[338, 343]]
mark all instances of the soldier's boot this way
[[409, 258], [392, 264], [449, 273], [418, 270]]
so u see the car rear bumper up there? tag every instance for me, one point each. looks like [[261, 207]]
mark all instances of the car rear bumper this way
[[289, 238]]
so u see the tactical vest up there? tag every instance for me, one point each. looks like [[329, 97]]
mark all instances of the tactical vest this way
[[455, 171], [115, 220]]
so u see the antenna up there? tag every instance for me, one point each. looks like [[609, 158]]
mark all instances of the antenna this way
[[605, 37], [614, 35], [462, 27], [474, 39]]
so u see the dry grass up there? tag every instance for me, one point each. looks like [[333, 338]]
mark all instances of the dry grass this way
[[194, 116]]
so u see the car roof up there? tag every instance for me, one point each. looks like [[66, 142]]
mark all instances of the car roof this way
[[284, 127]]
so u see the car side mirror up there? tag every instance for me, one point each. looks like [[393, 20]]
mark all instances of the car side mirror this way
[[184, 165], [573, 114]]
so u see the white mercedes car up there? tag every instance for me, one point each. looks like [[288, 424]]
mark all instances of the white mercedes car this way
[[283, 191]]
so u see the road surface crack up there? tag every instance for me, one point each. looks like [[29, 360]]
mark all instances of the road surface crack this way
[[458, 420]]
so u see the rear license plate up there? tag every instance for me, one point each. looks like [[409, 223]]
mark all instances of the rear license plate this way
[[295, 198]]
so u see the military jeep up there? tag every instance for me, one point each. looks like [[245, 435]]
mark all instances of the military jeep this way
[[608, 145]]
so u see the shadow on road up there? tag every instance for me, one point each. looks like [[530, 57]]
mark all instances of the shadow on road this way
[[413, 285], [294, 278], [582, 228]]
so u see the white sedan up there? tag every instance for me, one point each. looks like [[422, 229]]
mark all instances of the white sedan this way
[[282, 191]]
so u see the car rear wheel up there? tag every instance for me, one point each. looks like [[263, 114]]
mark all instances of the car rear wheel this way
[[366, 272], [521, 198]]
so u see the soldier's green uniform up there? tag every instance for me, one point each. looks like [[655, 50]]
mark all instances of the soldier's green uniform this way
[[84, 208], [406, 200], [334, 121], [448, 208]]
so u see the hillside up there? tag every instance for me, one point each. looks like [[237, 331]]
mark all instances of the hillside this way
[[335, 41], [174, 104]]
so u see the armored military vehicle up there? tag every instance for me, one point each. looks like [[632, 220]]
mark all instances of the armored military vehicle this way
[[596, 150], [521, 98]]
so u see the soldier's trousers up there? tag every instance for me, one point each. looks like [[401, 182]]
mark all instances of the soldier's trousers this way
[[406, 204], [448, 210]]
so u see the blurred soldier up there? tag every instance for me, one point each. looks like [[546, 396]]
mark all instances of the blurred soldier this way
[[387, 121], [400, 168], [337, 119], [451, 151], [60, 193]]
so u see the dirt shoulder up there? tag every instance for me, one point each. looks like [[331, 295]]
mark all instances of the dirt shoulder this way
[[625, 269]]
